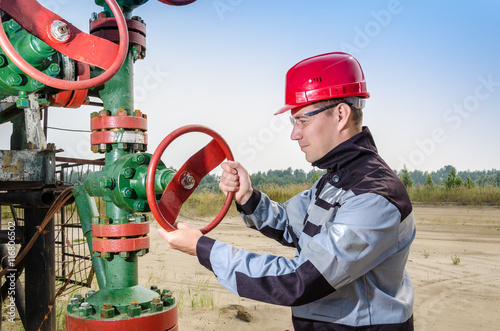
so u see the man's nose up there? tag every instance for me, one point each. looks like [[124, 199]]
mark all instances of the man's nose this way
[[296, 133]]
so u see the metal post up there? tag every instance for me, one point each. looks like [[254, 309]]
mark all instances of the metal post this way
[[39, 272]]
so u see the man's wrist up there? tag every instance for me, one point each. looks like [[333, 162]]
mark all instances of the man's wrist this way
[[251, 204], [246, 197]]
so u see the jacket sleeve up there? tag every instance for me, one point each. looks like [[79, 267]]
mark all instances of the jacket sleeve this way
[[265, 278]]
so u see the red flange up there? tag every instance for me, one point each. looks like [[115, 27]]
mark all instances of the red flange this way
[[165, 320], [112, 137], [117, 122], [105, 245], [107, 28], [76, 98], [187, 177], [120, 230]]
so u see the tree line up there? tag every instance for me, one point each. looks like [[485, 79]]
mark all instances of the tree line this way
[[447, 176], [263, 178]]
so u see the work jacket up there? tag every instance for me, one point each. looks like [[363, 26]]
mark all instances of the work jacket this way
[[352, 230]]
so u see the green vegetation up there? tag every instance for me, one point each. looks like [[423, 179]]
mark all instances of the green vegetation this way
[[445, 186], [6, 212], [452, 188], [455, 259], [481, 178], [474, 196]]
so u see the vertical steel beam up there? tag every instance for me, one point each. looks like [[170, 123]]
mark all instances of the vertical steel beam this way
[[39, 272]]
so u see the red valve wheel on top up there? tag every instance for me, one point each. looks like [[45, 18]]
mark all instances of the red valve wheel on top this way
[[72, 42], [187, 177]]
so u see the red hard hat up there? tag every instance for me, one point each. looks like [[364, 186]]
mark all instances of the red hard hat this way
[[323, 77]]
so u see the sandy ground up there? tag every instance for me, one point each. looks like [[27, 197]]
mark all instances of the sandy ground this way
[[448, 296]]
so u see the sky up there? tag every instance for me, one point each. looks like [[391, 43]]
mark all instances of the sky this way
[[432, 69]]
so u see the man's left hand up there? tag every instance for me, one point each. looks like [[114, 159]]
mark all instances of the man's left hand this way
[[184, 239]]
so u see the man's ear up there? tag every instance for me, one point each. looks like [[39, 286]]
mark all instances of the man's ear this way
[[343, 115]]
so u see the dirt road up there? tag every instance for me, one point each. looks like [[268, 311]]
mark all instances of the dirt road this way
[[464, 295]]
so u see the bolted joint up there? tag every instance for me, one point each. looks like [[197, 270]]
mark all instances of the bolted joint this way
[[167, 298], [36, 84], [137, 218], [53, 70], [13, 26], [138, 113], [140, 159], [107, 311], [85, 309], [103, 113], [121, 112], [89, 293], [128, 192], [134, 309], [14, 80], [78, 296], [139, 205], [3, 61], [108, 182], [156, 305], [128, 173], [73, 305], [156, 289]]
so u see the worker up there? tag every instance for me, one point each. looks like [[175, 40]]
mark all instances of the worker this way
[[352, 230]]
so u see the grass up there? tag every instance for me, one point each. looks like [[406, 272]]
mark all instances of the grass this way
[[455, 259], [208, 203], [5, 212], [196, 294], [475, 196]]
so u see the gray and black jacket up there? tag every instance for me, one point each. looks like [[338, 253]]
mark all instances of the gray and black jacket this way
[[352, 230]]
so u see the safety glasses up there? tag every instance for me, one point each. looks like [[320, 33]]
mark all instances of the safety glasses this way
[[307, 118]]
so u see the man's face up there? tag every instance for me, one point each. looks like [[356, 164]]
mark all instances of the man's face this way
[[315, 134]]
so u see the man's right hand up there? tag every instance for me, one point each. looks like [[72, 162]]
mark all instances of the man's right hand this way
[[235, 178]]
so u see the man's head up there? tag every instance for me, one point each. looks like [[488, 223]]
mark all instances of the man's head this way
[[325, 94], [321, 126]]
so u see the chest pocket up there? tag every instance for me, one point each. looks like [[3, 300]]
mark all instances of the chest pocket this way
[[326, 205]]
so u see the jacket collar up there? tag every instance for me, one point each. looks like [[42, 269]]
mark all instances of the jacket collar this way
[[348, 151]]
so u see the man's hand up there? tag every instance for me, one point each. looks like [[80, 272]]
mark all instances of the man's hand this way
[[235, 178], [184, 239]]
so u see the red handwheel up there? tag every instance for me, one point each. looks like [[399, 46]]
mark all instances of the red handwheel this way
[[67, 39], [187, 178], [177, 2]]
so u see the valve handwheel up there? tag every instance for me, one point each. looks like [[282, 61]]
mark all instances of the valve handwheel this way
[[67, 39], [187, 177], [177, 2]]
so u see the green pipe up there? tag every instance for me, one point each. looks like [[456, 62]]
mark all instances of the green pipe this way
[[87, 210], [117, 94]]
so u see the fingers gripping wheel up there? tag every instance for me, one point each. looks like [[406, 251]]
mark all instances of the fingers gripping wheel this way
[[67, 39], [187, 178]]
